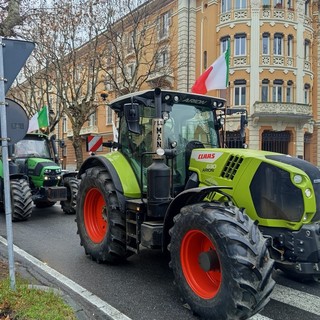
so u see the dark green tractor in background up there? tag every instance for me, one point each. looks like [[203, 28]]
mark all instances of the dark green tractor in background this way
[[226, 216], [36, 177]]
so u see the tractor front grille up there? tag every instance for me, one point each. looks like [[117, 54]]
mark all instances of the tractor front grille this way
[[231, 167]]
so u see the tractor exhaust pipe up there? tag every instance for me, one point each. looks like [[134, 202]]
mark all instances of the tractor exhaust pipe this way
[[158, 173]]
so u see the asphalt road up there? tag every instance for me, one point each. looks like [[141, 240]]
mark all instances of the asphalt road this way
[[142, 288]]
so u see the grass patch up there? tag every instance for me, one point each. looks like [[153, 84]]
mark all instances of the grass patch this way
[[26, 303]]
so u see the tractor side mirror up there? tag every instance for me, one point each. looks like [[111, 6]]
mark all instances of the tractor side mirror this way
[[132, 116]]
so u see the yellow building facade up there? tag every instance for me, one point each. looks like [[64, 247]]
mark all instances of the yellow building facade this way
[[273, 74]]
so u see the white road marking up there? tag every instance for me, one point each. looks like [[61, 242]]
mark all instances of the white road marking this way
[[259, 317], [106, 308], [296, 298]]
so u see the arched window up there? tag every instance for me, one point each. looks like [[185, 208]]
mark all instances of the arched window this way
[[278, 44], [240, 44], [225, 5], [307, 50], [306, 8], [205, 59], [290, 45], [289, 91], [241, 4], [224, 42], [240, 93], [277, 90], [265, 90], [307, 93], [266, 43]]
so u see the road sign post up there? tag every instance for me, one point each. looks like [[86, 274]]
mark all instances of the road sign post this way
[[11, 62]]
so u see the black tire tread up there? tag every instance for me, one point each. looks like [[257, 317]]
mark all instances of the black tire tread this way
[[113, 247], [21, 199], [72, 184], [249, 267]]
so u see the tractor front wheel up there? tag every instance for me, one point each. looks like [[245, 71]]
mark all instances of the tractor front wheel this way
[[101, 224], [69, 206], [21, 200], [220, 261]]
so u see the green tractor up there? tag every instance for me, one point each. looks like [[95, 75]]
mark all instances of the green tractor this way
[[227, 217], [36, 177]]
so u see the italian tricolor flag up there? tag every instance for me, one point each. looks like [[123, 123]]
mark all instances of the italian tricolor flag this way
[[39, 120], [215, 77]]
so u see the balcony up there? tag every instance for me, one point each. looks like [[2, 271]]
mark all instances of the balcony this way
[[277, 12], [84, 131], [164, 77], [273, 111]]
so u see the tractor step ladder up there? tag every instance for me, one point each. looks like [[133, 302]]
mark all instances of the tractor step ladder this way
[[133, 225]]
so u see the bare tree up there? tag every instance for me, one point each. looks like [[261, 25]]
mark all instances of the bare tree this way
[[10, 17], [139, 49], [64, 70], [86, 46]]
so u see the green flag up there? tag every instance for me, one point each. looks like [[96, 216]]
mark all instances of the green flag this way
[[43, 117], [39, 120]]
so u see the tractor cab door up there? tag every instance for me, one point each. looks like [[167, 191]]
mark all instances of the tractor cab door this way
[[189, 126], [136, 147]]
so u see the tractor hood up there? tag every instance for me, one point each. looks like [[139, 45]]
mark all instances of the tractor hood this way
[[43, 172], [277, 189]]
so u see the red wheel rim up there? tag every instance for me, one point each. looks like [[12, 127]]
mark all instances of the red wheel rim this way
[[95, 215], [205, 284]]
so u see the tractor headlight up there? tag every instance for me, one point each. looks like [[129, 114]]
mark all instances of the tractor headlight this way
[[47, 171], [308, 193], [59, 177], [46, 178], [297, 178]]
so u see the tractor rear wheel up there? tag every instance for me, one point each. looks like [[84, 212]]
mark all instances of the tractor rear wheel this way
[[69, 206], [220, 261], [21, 199], [101, 224]]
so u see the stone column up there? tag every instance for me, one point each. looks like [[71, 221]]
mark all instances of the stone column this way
[[186, 44]]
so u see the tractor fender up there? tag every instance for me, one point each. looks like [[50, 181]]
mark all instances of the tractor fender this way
[[186, 197], [122, 175], [66, 174]]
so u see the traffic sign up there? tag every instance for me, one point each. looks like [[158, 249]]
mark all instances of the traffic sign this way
[[94, 143], [17, 122], [15, 55]]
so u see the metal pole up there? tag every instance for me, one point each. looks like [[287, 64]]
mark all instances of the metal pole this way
[[188, 47], [6, 179]]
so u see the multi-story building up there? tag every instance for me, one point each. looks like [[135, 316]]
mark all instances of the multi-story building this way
[[273, 72], [273, 68]]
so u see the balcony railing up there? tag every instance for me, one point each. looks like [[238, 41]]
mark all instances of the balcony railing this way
[[84, 131], [276, 109]]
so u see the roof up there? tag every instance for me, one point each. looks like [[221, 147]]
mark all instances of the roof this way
[[168, 97]]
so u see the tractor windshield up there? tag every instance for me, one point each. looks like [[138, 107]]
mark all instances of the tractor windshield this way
[[191, 123], [32, 148]]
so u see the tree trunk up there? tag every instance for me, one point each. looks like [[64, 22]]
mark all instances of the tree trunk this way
[[77, 145]]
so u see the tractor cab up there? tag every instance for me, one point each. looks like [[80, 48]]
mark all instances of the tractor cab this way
[[177, 125], [32, 146]]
